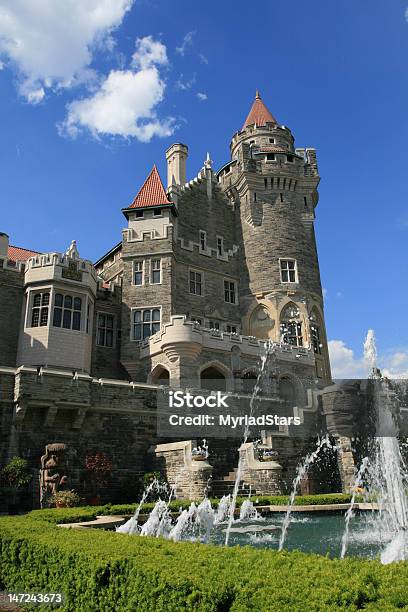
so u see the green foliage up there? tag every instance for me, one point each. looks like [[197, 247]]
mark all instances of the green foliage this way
[[103, 571], [69, 499], [16, 474]]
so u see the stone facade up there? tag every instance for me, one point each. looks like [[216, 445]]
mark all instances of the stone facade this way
[[206, 272]]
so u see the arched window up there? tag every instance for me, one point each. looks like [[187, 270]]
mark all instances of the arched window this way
[[260, 323], [315, 332], [213, 379], [291, 326]]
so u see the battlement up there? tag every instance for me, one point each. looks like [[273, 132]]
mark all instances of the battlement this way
[[56, 266]]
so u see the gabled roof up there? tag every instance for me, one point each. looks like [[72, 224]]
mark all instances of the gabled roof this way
[[19, 254], [151, 193], [258, 114]]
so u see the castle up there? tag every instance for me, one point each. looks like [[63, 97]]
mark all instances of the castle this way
[[206, 271]]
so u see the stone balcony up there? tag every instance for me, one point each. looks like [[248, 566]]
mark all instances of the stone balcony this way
[[188, 338]]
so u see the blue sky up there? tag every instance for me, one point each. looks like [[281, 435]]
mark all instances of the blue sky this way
[[90, 99]]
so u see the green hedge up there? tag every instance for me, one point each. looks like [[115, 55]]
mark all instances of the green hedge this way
[[72, 515], [105, 571]]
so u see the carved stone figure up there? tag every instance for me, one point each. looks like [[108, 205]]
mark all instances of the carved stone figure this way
[[53, 475]]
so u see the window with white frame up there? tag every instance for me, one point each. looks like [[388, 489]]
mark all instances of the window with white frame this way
[[105, 327], [138, 272], [220, 246], [288, 270], [231, 329], [230, 291], [145, 322], [196, 282], [67, 312], [39, 309], [203, 240], [155, 276]]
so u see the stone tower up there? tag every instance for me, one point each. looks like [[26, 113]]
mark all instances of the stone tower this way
[[274, 187]]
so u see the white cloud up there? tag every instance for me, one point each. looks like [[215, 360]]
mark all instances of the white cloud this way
[[325, 293], [185, 84], [50, 42], [125, 104], [345, 364], [202, 96], [148, 53], [187, 42], [203, 59]]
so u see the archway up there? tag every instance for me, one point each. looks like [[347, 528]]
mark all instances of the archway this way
[[159, 376], [212, 379], [260, 322]]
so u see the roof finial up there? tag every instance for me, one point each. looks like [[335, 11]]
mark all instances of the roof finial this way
[[257, 95], [208, 162]]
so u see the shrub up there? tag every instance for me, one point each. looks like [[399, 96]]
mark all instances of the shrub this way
[[66, 499], [16, 475], [104, 571]]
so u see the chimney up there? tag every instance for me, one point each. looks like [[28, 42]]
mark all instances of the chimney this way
[[176, 157], [4, 244]]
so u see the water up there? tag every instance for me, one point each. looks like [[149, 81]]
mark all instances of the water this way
[[132, 526], [388, 474], [301, 472], [269, 351], [350, 512]]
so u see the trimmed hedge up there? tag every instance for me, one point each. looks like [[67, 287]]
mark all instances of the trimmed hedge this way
[[72, 515], [105, 571]]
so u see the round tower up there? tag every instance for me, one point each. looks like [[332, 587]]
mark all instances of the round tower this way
[[274, 185]]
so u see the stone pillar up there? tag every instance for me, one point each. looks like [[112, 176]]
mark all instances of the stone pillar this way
[[346, 464], [189, 478], [264, 477]]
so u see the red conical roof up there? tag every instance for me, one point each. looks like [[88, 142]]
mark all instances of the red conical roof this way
[[151, 193], [258, 114]]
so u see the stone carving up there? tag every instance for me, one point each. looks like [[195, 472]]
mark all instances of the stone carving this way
[[53, 476]]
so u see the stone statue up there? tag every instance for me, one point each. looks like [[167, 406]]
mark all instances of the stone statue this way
[[53, 475]]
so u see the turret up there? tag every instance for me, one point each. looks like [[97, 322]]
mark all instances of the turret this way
[[276, 187], [176, 157], [58, 309]]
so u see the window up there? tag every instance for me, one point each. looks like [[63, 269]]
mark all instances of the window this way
[[39, 310], [317, 345], [270, 157], [281, 197], [291, 333], [305, 200], [254, 196], [289, 158], [156, 272], [272, 140], [230, 291], [291, 327], [145, 323], [138, 272], [196, 283], [139, 214], [157, 212], [67, 312], [231, 329], [252, 142], [288, 271], [213, 325], [220, 246], [196, 320], [105, 330], [203, 240], [266, 183]]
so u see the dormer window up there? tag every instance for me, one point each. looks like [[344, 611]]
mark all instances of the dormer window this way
[[290, 158], [272, 141], [157, 212], [270, 157], [139, 214]]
